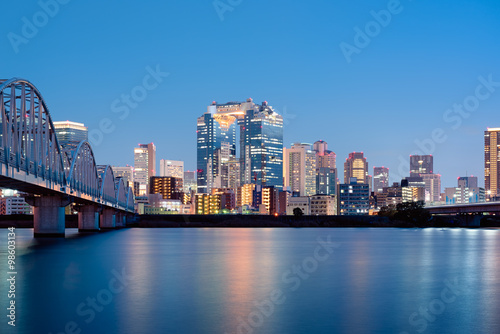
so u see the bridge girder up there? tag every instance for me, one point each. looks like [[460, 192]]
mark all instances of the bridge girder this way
[[32, 160]]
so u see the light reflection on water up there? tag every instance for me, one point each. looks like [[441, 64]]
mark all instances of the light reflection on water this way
[[211, 280]]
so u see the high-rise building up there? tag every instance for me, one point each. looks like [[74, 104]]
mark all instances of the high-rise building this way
[[216, 142], [324, 157], [261, 147], [492, 162], [126, 173], [326, 181], [190, 183], [421, 164], [70, 134], [144, 166], [467, 181], [172, 168], [380, 179], [356, 166], [326, 169], [300, 169], [432, 187]]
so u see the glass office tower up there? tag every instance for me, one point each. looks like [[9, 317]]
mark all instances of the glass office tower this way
[[70, 134], [216, 144], [261, 147]]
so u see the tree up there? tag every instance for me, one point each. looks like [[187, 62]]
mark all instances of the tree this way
[[297, 212], [412, 212], [387, 211]]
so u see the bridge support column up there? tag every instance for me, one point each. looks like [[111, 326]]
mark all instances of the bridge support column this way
[[88, 218], [49, 218], [120, 219], [108, 218], [473, 220]]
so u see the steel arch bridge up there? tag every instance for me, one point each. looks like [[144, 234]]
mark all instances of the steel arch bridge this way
[[32, 161]]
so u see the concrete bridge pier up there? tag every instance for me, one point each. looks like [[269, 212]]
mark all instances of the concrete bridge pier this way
[[121, 219], [88, 218], [49, 219], [108, 218], [473, 220]]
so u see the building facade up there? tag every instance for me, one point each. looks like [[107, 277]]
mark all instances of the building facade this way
[[126, 173], [323, 205], [190, 183], [172, 168], [353, 198], [14, 205], [463, 195], [168, 187], [380, 179], [492, 162], [144, 166], [421, 164], [301, 202], [326, 181], [356, 166], [245, 195], [300, 169], [326, 169], [70, 134], [261, 147], [467, 181], [432, 187], [216, 144]]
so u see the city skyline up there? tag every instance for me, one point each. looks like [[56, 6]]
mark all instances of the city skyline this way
[[412, 159], [393, 91]]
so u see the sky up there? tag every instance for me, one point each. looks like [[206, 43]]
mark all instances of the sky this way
[[387, 78]]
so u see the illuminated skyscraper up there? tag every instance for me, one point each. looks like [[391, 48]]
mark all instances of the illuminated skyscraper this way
[[144, 166], [261, 145], [492, 162], [216, 144], [380, 179], [356, 166], [326, 169], [70, 134], [300, 169], [421, 164]]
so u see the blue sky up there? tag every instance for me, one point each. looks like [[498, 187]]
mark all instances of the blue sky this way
[[395, 91]]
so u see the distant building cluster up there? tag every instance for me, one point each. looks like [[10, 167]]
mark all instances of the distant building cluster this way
[[243, 167]]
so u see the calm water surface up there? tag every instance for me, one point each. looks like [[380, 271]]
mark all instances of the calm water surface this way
[[256, 281]]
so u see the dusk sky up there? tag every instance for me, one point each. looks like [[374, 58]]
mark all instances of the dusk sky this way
[[394, 90]]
